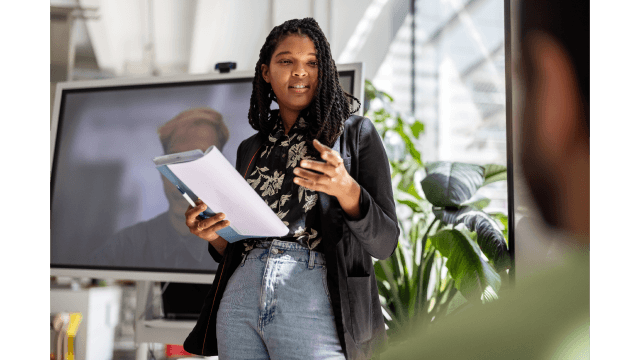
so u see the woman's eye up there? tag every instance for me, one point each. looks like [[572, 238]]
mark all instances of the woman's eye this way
[[314, 63]]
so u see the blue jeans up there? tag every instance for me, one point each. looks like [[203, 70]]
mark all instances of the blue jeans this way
[[276, 305]]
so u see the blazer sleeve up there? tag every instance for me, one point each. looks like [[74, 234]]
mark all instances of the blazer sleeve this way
[[212, 251], [377, 229]]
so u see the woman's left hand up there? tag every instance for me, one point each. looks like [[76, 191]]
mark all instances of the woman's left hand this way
[[333, 179]]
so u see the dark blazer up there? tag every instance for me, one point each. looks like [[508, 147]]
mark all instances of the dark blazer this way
[[348, 246]]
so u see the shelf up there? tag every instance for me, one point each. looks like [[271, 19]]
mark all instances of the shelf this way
[[169, 324]]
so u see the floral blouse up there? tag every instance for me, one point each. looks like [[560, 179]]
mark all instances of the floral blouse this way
[[273, 180]]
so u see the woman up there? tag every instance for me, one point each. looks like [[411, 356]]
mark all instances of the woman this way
[[311, 293]]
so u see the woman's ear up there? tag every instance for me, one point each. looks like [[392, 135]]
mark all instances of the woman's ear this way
[[265, 72]]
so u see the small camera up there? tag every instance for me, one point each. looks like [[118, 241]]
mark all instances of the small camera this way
[[225, 67]]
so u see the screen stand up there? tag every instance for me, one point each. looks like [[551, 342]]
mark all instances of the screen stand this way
[[149, 330]]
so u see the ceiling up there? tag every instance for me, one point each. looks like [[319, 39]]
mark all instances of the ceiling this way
[[117, 38]]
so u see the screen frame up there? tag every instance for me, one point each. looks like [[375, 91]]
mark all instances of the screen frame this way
[[150, 274]]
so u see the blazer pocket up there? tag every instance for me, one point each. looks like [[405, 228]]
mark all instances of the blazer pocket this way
[[359, 289]]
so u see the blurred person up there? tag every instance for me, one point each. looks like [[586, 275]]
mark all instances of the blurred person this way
[[311, 294], [546, 314], [165, 241]]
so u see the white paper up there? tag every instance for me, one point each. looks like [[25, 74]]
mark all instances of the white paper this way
[[223, 189]]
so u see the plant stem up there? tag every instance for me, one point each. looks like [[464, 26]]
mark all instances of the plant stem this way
[[429, 229]]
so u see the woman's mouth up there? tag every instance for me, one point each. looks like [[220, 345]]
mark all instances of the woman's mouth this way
[[299, 88]]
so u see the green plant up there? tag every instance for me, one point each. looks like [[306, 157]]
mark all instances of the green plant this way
[[477, 250], [450, 251]]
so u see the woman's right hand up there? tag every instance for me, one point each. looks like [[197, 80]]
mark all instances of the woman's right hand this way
[[206, 228]]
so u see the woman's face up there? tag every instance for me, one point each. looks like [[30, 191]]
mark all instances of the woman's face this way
[[293, 73]]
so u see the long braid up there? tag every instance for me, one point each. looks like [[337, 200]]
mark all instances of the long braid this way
[[331, 105]]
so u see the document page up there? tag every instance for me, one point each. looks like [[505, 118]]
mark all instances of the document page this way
[[223, 189]]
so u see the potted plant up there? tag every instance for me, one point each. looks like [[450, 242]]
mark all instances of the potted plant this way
[[451, 251]]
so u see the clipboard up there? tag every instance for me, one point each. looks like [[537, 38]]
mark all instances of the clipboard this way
[[210, 177]]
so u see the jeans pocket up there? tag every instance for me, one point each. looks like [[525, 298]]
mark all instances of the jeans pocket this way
[[360, 307]]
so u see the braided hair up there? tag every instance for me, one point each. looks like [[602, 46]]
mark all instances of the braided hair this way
[[330, 106]]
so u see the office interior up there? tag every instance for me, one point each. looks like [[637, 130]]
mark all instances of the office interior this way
[[447, 64]]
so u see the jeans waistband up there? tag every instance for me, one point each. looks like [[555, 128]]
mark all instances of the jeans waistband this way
[[311, 257], [268, 243]]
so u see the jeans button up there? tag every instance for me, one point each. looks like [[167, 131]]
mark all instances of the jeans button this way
[[274, 251]]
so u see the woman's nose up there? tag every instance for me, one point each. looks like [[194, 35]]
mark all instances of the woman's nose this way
[[300, 71]]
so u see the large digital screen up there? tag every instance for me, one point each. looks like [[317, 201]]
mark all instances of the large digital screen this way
[[110, 208]]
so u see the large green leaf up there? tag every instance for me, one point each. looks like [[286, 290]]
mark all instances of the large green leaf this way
[[474, 277], [411, 204], [493, 173], [410, 189], [478, 201], [490, 237], [504, 220], [451, 183]]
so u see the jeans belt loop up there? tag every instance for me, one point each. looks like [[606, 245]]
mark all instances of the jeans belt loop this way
[[312, 259]]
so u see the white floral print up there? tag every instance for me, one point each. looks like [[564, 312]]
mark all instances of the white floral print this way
[[284, 199], [296, 152], [272, 183], [310, 201], [299, 231], [282, 214], [310, 239], [255, 182], [300, 193]]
